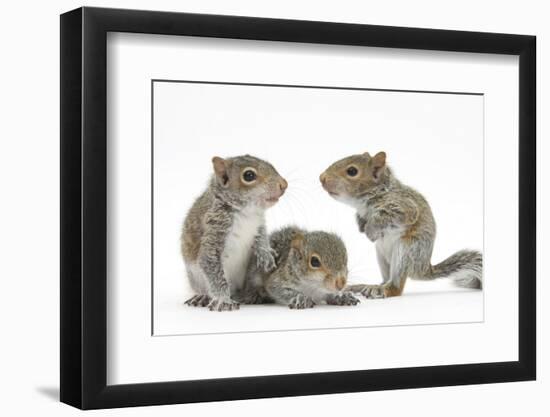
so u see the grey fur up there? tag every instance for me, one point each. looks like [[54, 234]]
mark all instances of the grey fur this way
[[400, 222], [293, 282], [465, 265], [227, 202]]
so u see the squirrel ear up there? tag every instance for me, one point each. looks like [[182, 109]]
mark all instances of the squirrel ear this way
[[367, 155], [377, 163], [220, 169], [298, 242]]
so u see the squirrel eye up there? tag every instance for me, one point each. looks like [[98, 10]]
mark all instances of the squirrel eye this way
[[352, 171], [249, 175], [315, 262]]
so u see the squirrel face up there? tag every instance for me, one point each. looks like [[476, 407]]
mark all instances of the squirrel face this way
[[353, 177], [319, 258], [247, 179]]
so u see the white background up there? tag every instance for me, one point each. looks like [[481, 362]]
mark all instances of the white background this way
[[428, 138], [29, 169]]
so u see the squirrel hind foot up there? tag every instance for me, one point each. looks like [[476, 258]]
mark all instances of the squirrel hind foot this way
[[199, 300], [222, 304]]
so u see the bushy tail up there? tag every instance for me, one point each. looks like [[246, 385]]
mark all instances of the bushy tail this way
[[464, 268]]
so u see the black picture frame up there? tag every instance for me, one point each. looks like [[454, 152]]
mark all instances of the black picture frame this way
[[84, 209]]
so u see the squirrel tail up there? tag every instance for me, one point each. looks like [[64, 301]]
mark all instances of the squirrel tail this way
[[464, 268]]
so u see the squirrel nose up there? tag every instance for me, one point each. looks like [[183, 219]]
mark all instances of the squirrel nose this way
[[323, 178], [283, 185], [340, 283]]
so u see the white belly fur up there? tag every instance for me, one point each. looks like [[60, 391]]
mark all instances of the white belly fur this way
[[238, 246], [387, 244]]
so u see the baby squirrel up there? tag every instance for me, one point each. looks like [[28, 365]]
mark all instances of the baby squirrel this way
[[311, 269], [400, 222], [225, 226]]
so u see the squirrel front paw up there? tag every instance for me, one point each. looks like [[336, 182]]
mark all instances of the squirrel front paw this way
[[223, 304], [265, 259], [373, 233], [300, 302], [343, 299]]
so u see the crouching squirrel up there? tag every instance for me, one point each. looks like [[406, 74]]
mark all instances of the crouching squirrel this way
[[400, 222], [225, 226], [311, 269]]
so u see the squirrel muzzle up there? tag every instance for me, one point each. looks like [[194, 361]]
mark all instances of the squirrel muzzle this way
[[335, 283], [283, 185], [328, 184]]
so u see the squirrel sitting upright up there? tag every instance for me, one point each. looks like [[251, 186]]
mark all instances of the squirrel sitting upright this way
[[311, 269], [400, 222], [225, 226]]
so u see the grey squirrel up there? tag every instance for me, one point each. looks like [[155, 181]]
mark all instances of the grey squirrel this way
[[311, 269], [225, 226], [400, 222]]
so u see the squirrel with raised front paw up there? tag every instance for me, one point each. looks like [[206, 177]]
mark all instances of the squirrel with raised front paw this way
[[311, 269], [226, 226], [400, 222]]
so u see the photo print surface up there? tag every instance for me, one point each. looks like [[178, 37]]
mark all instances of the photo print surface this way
[[299, 155]]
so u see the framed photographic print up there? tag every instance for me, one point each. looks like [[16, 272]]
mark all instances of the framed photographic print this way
[[257, 207]]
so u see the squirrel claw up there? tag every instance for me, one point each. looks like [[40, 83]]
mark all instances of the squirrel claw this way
[[198, 301], [223, 304], [344, 299], [374, 291], [347, 299], [300, 302]]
